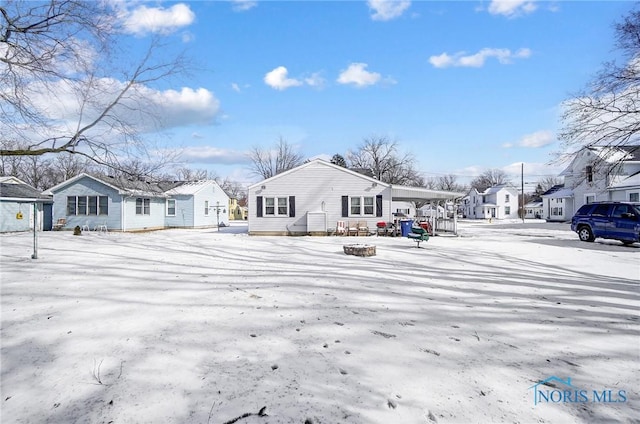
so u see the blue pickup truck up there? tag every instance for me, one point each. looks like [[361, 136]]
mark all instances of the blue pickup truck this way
[[610, 220]]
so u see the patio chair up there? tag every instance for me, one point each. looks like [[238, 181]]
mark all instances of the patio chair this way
[[341, 228], [62, 222], [85, 226], [353, 228], [363, 228]]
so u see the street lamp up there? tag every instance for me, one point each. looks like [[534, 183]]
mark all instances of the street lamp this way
[[218, 208]]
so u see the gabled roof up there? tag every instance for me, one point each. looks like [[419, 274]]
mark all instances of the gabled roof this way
[[608, 154], [553, 189], [560, 193], [399, 192], [192, 187], [533, 205], [321, 162], [125, 186], [12, 188]]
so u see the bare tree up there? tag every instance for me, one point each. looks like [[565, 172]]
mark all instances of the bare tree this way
[[378, 156], [547, 182], [269, 162], [449, 182], [62, 52], [489, 178], [607, 112], [233, 188]]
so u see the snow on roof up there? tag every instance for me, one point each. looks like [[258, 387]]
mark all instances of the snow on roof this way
[[630, 181], [561, 193], [189, 187]]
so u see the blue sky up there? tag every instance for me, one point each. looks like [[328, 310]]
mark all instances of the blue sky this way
[[463, 85]]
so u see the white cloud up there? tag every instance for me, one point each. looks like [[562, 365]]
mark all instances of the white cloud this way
[[210, 154], [512, 8], [243, 5], [279, 80], [144, 108], [315, 80], [357, 75], [477, 60], [537, 139], [145, 19], [235, 87], [385, 10]]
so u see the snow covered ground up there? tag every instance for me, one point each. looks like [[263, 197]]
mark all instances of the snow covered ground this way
[[200, 326]]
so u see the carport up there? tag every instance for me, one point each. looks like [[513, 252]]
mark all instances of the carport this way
[[434, 198]]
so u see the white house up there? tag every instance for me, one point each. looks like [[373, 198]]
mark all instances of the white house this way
[[595, 174], [498, 202], [312, 198], [533, 210], [128, 204]]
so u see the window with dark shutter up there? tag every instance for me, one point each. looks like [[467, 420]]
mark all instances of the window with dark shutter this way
[[345, 206], [292, 206], [259, 206], [379, 205]]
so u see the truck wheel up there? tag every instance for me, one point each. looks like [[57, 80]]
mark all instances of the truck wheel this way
[[585, 233]]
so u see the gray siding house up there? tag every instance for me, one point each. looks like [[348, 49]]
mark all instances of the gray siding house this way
[[17, 200], [315, 197], [123, 204]]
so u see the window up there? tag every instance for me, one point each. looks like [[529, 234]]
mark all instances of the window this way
[[87, 205], [276, 206], [93, 205], [143, 206], [355, 206], [634, 197], [282, 206], [82, 205], [103, 205], [588, 170], [619, 210], [601, 210], [368, 205], [71, 205], [206, 208], [171, 207], [506, 198], [364, 205], [589, 198], [507, 209]]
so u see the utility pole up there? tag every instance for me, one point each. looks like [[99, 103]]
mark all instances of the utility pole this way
[[35, 234], [522, 187]]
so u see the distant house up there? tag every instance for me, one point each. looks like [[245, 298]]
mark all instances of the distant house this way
[[557, 204], [235, 210], [533, 210], [498, 202], [312, 198], [595, 174], [134, 205], [17, 200]]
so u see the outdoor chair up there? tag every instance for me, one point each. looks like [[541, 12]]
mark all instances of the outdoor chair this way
[[353, 228], [62, 222], [341, 228], [363, 228]]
